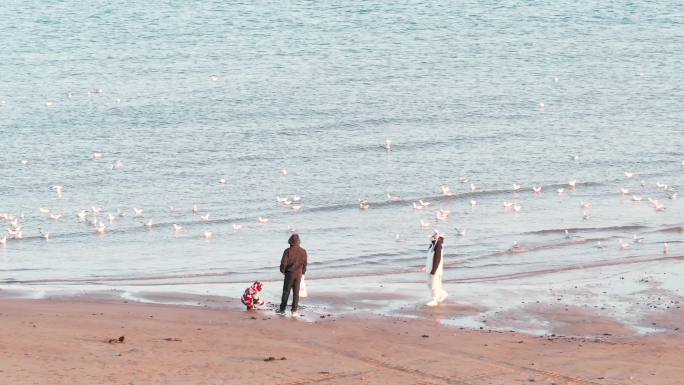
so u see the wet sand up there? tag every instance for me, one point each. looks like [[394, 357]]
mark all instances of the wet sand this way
[[66, 342]]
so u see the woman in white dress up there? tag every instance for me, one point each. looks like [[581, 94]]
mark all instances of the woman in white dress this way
[[435, 269]]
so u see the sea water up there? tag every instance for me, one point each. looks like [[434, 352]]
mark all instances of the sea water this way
[[299, 98]]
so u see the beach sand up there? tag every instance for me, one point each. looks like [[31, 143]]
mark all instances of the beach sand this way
[[66, 342]]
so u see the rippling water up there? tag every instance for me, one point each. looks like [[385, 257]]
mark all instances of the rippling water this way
[[187, 95]]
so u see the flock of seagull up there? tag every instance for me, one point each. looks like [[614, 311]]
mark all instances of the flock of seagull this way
[[515, 207], [100, 220]]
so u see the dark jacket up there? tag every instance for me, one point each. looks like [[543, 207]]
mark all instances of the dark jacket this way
[[294, 258], [437, 256]]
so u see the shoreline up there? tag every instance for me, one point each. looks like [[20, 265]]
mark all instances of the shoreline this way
[[66, 342], [624, 298]]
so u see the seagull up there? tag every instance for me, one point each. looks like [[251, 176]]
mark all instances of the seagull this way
[[517, 208], [661, 186], [24, 162], [572, 183], [392, 198], [575, 157], [296, 198], [3, 240], [363, 204], [567, 234], [222, 181], [117, 165], [236, 227], [461, 232], [666, 248], [82, 215], [100, 229], [464, 179], [49, 103], [44, 210], [55, 216], [585, 216], [624, 191], [507, 205], [659, 206], [628, 175], [560, 191], [214, 78], [423, 203], [148, 224], [46, 235], [195, 209], [263, 220], [138, 212], [388, 145], [58, 190], [585, 205], [398, 239], [111, 217], [291, 229], [177, 227], [636, 198], [205, 217], [284, 171], [97, 155], [599, 245], [536, 189], [424, 224], [623, 245], [417, 206], [673, 196], [175, 210], [473, 203], [541, 105], [207, 234], [443, 215], [447, 192], [637, 239], [472, 187], [516, 187], [96, 210], [296, 207]]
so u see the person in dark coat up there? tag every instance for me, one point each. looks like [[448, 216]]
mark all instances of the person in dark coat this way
[[293, 266]]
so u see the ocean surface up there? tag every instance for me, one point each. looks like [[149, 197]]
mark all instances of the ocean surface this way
[[227, 106]]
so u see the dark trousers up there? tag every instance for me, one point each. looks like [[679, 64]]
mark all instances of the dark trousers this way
[[291, 282]]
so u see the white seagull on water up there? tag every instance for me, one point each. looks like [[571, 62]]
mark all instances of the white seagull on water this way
[[447, 192], [58, 190]]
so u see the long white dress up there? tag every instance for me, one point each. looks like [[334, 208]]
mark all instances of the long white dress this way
[[435, 281]]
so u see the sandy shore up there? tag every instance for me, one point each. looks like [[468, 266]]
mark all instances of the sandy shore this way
[[66, 342]]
